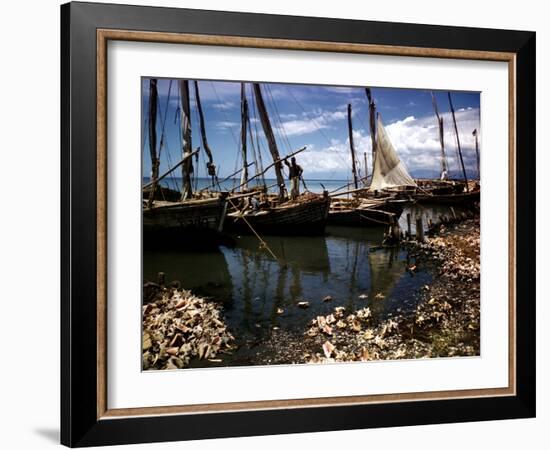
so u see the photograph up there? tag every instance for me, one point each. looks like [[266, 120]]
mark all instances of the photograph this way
[[307, 224]]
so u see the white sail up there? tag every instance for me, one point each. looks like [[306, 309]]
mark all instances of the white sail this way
[[389, 170]]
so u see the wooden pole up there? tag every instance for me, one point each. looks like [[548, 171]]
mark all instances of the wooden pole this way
[[165, 174], [153, 100], [372, 124], [244, 122], [409, 232], [366, 169], [458, 142], [279, 161], [419, 229], [187, 167], [227, 177], [352, 148], [477, 153], [268, 131], [210, 167], [444, 169]]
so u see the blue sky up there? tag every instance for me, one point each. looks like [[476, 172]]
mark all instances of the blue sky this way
[[316, 117]]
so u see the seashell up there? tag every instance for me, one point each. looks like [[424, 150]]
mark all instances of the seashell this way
[[173, 351], [328, 348]]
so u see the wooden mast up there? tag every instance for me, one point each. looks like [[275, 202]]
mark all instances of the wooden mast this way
[[444, 169], [458, 142], [244, 123], [352, 148], [477, 153], [210, 167], [268, 131], [185, 117], [372, 123], [366, 170], [153, 103]]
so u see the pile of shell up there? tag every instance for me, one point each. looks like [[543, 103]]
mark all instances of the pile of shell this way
[[178, 327], [352, 337], [457, 252]]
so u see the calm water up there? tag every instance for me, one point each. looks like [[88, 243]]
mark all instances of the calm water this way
[[251, 285]]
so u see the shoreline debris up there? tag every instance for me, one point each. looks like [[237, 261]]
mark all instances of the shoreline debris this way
[[178, 326]]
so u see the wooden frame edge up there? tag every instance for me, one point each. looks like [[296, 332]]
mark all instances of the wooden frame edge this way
[[103, 36]]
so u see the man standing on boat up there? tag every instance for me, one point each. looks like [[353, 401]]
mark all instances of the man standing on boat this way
[[294, 174]]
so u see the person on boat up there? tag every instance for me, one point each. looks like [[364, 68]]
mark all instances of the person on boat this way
[[254, 203], [294, 174]]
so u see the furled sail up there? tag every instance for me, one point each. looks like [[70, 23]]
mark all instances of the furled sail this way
[[389, 170]]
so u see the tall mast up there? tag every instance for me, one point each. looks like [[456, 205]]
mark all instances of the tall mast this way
[[268, 131], [187, 166], [244, 123], [153, 103], [372, 123], [352, 148], [477, 153], [210, 167], [366, 170], [458, 142], [444, 169]]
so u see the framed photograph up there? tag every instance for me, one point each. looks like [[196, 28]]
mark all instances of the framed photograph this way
[[276, 224]]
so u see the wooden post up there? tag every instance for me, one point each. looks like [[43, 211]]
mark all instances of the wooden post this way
[[155, 163], [477, 154], [372, 124], [160, 278], [244, 122], [444, 169], [185, 115], [458, 142], [270, 137], [366, 169], [352, 148], [409, 233], [210, 167], [419, 229]]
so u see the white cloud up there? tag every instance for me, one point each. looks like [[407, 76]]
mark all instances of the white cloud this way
[[311, 122], [224, 106], [415, 140]]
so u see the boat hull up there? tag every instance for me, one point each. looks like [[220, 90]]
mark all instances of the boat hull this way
[[300, 218], [379, 213], [464, 198], [361, 218], [179, 222]]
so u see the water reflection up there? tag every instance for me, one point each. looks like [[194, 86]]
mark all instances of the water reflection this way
[[346, 265]]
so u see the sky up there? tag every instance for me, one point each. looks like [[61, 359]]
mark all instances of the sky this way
[[316, 117]]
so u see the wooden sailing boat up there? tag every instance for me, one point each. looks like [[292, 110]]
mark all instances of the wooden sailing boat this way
[[445, 191], [274, 214], [368, 206], [180, 219]]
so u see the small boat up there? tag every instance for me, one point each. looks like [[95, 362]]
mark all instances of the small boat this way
[[348, 215], [275, 214], [305, 216], [383, 201], [168, 215], [444, 191], [460, 198], [190, 215]]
